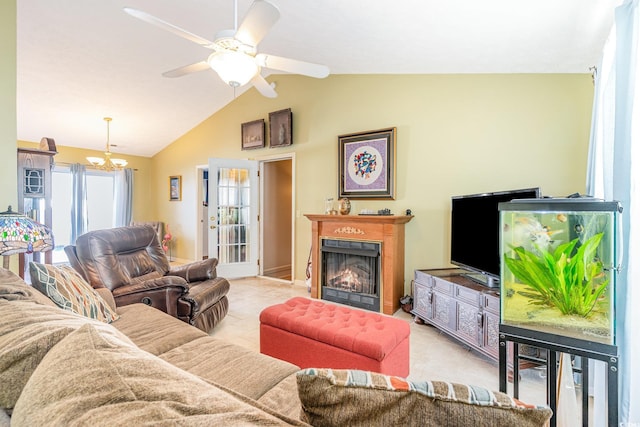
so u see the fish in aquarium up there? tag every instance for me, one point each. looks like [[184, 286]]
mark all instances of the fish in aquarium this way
[[531, 230]]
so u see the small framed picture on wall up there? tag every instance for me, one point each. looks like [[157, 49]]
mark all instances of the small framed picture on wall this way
[[175, 188], [280, 131], [253, 134]]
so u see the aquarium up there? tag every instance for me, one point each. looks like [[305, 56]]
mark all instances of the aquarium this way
[[558, 267]]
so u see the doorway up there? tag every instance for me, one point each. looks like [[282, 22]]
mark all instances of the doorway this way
[[276, 225], [276, 259]]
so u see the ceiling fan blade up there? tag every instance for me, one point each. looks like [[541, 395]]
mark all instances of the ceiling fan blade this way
[[292, 66], [187, 69], [259, 19], [263, 86], [150, 19]]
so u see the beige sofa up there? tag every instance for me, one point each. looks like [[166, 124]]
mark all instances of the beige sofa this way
[[146, 367], [173, 360]]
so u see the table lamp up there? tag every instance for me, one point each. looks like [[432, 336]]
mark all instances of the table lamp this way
[[21, 234]]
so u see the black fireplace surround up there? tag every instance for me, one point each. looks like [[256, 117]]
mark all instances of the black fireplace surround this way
[[350, 273]]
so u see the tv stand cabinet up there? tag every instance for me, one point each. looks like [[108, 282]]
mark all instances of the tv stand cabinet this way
[[460, 307]]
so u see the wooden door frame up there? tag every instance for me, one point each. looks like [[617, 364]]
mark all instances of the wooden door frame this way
[[261, 161]]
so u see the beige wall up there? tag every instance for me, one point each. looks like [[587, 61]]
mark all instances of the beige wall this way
[[457, 134], [8, 171], [144, 199], [8, 132]]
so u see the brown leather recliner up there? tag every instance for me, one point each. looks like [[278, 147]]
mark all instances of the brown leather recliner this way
[[130, 262]]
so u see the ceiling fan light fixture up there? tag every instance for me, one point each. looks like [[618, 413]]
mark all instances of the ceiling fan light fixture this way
[[234, 68]]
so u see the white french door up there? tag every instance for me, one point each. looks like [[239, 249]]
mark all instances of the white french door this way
[[233, 216]]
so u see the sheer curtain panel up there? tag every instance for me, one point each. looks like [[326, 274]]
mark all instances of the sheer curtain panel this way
[[123, 192], [79, 216], [614, 174]]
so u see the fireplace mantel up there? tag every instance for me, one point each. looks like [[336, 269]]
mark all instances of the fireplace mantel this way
[[386, 229]]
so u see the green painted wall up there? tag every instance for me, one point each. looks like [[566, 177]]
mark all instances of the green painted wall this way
[[8, 132], [457, 134], [8, 124]]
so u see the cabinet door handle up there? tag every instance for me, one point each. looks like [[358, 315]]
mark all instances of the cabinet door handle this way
[[479, 319], [430, 297]]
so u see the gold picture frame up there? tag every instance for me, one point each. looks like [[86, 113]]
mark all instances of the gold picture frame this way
[[175, 188]]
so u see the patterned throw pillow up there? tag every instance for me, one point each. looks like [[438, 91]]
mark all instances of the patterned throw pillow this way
[[65, 287], [333, 397]]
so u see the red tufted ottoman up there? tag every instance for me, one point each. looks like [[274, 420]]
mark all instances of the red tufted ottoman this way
[[315, 334]]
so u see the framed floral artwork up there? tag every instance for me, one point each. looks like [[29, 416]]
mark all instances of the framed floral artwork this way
[[367, 164]]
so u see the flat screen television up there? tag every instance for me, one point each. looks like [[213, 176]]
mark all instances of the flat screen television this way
[[475, 222]]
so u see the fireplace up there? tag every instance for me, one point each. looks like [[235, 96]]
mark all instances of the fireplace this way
[[350, 273], [378, 238]]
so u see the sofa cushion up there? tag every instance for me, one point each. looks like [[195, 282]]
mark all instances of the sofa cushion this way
[[107, 296], [28, 330], [358, 398], [13, 288], [69, 291], [284, 397], [111, 381], [153, 330], [237, 368]]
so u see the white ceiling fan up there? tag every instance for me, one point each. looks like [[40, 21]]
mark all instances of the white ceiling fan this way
[[235, 57]]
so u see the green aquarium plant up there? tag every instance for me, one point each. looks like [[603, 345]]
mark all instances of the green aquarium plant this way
[[570, 281]]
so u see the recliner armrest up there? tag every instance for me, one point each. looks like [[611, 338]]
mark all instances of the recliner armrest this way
[[151, 284], [196, 271]]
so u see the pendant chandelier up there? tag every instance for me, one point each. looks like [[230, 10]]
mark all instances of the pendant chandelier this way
[[107, 163]]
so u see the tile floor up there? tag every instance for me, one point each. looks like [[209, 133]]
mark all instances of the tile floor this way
[[434, 355]]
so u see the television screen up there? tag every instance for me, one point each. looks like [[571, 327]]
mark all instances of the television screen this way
[[475, 229]]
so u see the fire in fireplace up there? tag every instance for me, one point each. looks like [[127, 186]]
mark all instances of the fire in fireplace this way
[[350, 273]]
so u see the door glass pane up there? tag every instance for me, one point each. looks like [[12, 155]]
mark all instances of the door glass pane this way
[[233, 215]]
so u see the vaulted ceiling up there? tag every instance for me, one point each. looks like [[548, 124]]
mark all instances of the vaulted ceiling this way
[[82, 60]]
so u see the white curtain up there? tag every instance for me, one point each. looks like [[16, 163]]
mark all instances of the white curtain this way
[[123, 195], [614, 151], [79, 222]]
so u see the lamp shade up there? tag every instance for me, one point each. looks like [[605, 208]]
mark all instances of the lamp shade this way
[[234, 68], [21, 234]]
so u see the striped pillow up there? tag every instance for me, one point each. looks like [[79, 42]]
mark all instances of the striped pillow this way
[[69, 291], [332, 397]]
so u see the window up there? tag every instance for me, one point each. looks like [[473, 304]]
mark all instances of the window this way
[[100, 201]]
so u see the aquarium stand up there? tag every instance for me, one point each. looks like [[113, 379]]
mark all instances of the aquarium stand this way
[[555, 344]]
